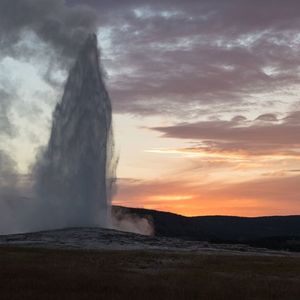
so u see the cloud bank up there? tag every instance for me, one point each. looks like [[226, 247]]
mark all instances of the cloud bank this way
[[265, 135]]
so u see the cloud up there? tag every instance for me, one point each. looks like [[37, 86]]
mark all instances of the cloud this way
[[173, 58], [267, 118], [62, 27], [264, 136], [167, 57]]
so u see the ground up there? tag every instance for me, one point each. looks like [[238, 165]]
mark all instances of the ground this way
[[35, 273]]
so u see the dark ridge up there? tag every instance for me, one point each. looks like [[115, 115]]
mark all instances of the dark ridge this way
[[274, 232]]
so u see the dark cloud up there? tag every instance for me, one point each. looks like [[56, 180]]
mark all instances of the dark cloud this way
[[286, 132], [238, 119], [293, 118], [171, 57], [267, 118], [281, 137], [61, 27]]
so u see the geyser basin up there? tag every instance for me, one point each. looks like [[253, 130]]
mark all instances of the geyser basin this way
[[73, 175]]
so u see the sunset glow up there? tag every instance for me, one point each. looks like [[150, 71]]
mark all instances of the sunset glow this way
[[205, 104]]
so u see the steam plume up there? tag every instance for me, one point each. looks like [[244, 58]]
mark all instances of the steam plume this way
[[66, 187], [72, 175]]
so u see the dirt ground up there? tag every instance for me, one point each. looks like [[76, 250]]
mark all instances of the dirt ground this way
[[31, 273]]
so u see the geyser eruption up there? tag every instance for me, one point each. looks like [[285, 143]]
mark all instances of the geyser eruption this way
[[73, 178], [75, 172]]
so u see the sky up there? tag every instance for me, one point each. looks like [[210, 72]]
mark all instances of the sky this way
[[205, 96]]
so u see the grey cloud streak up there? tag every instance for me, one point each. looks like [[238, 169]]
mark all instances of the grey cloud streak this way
[[263, 136]]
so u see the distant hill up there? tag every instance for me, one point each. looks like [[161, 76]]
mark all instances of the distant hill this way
[[275, 232]]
